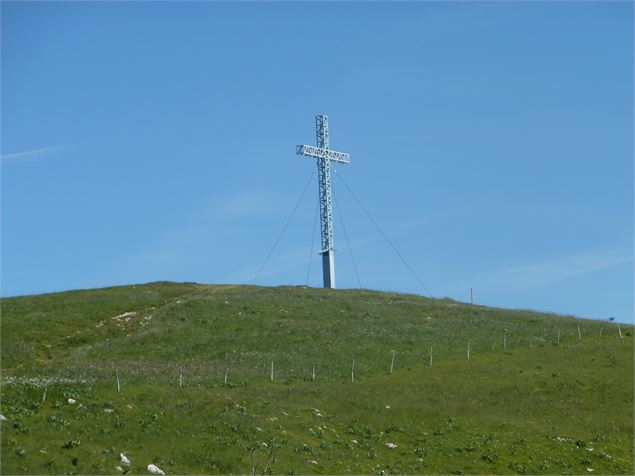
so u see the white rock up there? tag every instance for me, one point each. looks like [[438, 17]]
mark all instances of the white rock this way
[[123, 459], [119, 468], [2, 417], [72, 401], [388, 407], [590, 470], [108, 410], [391, 445], [155, 469], [312, 461]]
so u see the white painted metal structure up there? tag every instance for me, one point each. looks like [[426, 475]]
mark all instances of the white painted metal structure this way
[[324, 156]]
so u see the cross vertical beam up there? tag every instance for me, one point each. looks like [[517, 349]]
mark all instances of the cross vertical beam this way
[[324, 156], [326, 208]]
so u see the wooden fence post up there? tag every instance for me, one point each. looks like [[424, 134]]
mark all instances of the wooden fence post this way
[[392, 362]]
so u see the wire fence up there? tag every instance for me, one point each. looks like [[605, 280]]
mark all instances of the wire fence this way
[[250, 366]]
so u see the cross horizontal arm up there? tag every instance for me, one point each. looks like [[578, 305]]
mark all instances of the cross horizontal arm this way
[[320, 153]]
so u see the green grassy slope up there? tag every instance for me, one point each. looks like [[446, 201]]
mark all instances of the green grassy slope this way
[[522, 403]]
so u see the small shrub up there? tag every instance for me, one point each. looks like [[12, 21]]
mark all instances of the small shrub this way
[[489, 457], [518, 468], [71, 444], [150, 419]]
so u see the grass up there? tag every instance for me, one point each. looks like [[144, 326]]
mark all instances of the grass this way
[[548, 408]]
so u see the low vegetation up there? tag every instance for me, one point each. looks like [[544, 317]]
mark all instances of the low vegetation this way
[[540, 394]]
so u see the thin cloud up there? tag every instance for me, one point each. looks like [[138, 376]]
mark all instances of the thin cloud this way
[[552, 271], [30, 154]]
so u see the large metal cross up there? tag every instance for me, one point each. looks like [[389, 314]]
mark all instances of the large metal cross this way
[[324, 156]]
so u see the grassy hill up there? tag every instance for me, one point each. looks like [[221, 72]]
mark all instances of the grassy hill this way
[[540, 394]]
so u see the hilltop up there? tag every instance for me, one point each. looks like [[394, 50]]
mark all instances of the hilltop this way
[[540, 393]]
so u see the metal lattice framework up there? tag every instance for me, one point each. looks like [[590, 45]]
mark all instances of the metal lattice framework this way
[[324, 157], [321, 153]]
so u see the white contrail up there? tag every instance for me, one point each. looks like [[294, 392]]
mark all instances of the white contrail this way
[[551, 271], [28, 154]]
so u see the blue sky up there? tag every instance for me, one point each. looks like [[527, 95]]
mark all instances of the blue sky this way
[[492, 142]]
